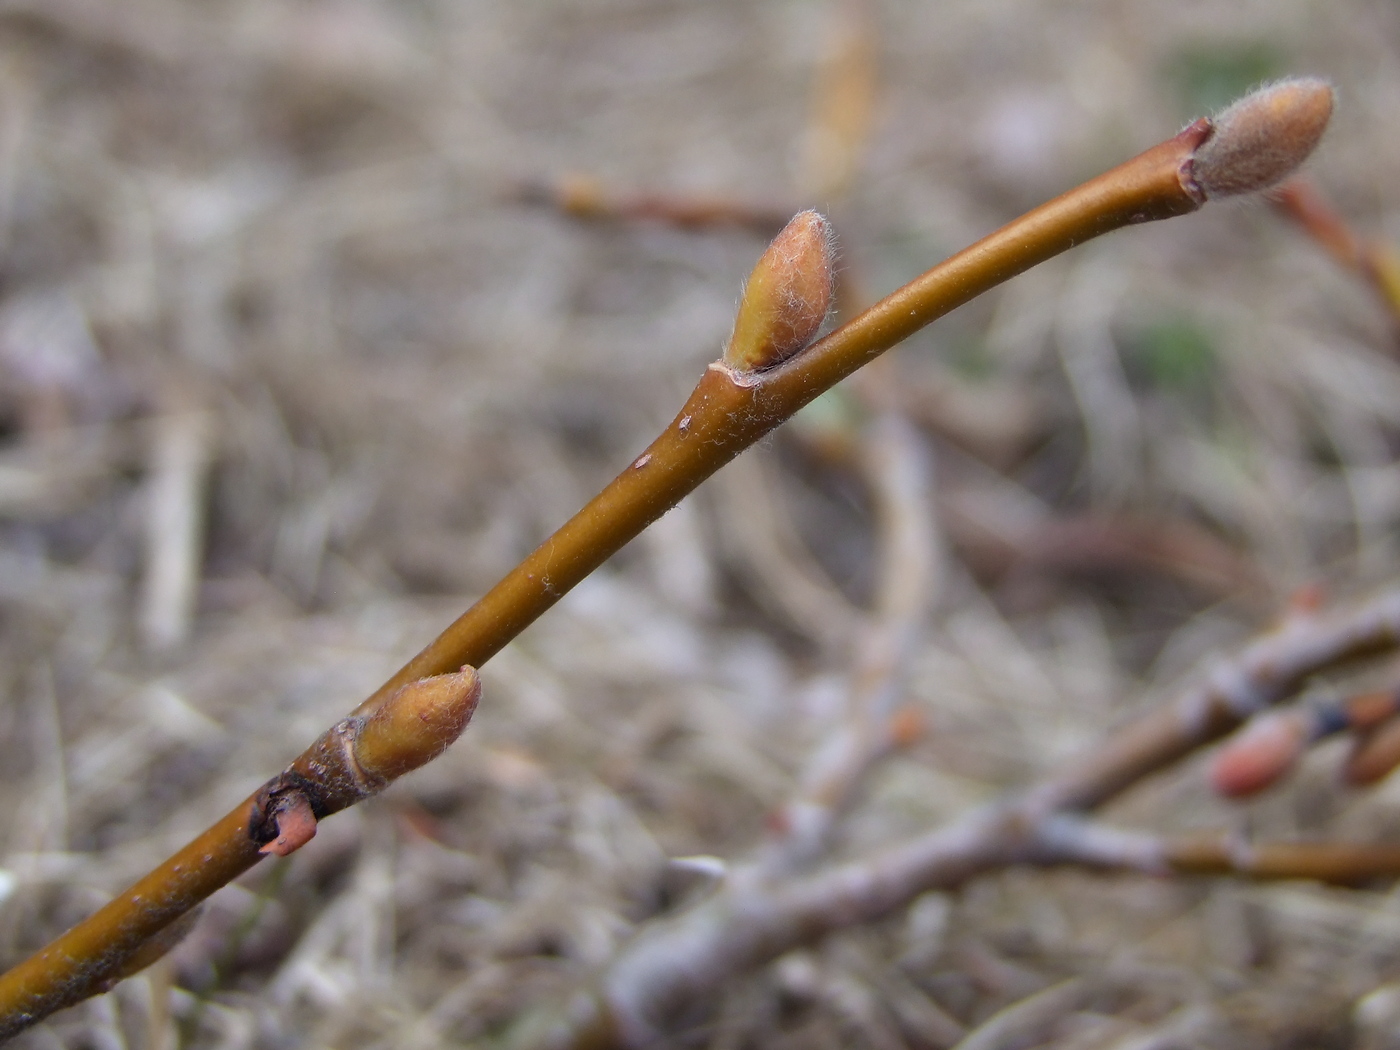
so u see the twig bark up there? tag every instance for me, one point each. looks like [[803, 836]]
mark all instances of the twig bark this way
[[353, 760], [1071, 839]]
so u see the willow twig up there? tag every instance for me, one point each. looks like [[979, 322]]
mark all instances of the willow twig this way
[[737, 402], [1068, 839], [356, 758]]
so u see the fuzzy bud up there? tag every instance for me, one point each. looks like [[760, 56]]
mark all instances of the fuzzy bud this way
[[787, 297], [1262, 138]]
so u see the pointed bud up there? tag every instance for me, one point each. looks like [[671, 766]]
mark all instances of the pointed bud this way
[[1263, 137], [787, 296], [416, 724], [1260, 754]]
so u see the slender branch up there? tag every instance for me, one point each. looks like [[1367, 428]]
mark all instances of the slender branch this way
[[1339, 863], [676, 963], [1067, 839], [730, 409], [358, 757], [907, 545], [1376, 261], [584, 197]]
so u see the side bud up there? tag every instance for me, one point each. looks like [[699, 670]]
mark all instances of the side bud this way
[[361, 755], [416, 724], [1262, 138], [787, 297]]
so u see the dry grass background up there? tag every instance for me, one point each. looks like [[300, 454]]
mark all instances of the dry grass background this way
[[260, 261]]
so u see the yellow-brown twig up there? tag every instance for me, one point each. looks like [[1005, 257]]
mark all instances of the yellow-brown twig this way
[[356, 758], [729, 410]]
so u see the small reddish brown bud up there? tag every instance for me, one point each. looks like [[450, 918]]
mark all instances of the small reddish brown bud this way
[[1263, 137], [1374, 754], [1260, 754], [787, 297]]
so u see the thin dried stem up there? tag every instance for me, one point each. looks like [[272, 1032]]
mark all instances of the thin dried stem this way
[[907, 552], [1374, 260], [180, 462], [1068, 839], [584, 197], [843, 103]]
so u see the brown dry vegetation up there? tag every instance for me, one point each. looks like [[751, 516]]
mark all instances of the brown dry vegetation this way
[[267, 262]]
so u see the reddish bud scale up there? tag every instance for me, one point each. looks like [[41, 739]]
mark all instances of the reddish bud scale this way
[[787, 297], [296, 826], [1260, 754]]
